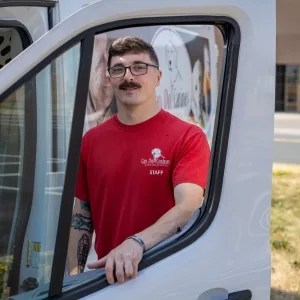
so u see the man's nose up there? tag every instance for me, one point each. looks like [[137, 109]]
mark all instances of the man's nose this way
[[128, 75]]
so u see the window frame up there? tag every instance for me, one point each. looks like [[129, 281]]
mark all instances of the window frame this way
[[96, 280], [29, 156]]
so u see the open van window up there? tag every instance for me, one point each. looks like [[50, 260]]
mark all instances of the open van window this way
[[190, 58]]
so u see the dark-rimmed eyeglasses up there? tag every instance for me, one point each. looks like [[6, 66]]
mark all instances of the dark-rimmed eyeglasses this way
[[136, 69]]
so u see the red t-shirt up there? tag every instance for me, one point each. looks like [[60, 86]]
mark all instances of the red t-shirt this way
[[127, 173]]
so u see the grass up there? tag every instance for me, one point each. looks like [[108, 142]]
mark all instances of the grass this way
[[285, 232], [5, 266]]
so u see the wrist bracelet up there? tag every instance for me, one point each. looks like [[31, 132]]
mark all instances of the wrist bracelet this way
[[139, 240]]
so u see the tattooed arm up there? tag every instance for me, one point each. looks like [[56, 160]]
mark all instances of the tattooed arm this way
[[80, 237]]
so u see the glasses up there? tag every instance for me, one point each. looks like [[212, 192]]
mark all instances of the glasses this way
[[136, 69]]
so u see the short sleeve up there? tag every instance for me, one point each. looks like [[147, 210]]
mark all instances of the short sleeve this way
[[81, 189], [192, 160]]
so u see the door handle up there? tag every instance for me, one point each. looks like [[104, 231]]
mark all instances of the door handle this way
[[242, 295]]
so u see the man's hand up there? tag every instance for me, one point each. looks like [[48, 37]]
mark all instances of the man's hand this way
[[124, 259]]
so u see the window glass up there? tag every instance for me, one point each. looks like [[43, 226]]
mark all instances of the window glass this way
[[287, 88], [29, 213], [280, 87], [292, 74]]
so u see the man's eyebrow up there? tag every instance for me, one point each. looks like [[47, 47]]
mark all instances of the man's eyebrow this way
[[139, 62], [117, 65], [134, 62]]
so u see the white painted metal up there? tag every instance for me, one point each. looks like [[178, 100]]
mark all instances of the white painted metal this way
[[35, 19], [66, 8], [234, 252]]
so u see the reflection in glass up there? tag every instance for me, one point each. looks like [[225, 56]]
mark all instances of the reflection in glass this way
[[292, 88], [54, 97]]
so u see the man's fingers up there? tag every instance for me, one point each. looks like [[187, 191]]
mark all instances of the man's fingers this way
[[109, 270], [135, 266], [120, 270], [97, 264], [128, 269]]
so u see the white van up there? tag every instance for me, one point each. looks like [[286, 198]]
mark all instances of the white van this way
[[218, 63]]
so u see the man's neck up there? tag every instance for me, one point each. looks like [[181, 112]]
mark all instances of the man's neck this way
[[137, 114]]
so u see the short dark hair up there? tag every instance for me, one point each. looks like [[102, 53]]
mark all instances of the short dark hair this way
[[131, 44]]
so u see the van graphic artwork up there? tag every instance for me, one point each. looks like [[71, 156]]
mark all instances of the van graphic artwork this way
[[185, 89], [174, 92]]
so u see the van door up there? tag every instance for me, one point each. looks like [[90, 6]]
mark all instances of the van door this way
[[224, 253]]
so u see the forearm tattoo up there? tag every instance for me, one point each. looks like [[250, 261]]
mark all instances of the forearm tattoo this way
[[85, 206], [81, 222], [82, 252]]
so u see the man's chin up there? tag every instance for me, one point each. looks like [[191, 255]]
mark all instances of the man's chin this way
[[130, 101]]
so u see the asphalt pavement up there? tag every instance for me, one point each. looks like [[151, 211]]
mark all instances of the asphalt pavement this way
[[287, 138]]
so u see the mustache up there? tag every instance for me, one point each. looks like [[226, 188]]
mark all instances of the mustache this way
[[131, 84]]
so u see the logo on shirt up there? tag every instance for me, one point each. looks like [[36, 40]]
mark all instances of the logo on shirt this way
[[156, 152], [157, 160]]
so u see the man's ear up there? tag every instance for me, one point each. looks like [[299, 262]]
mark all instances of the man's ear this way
[[159, 77]]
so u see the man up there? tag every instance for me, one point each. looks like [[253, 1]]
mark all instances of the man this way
[[142, 173]]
